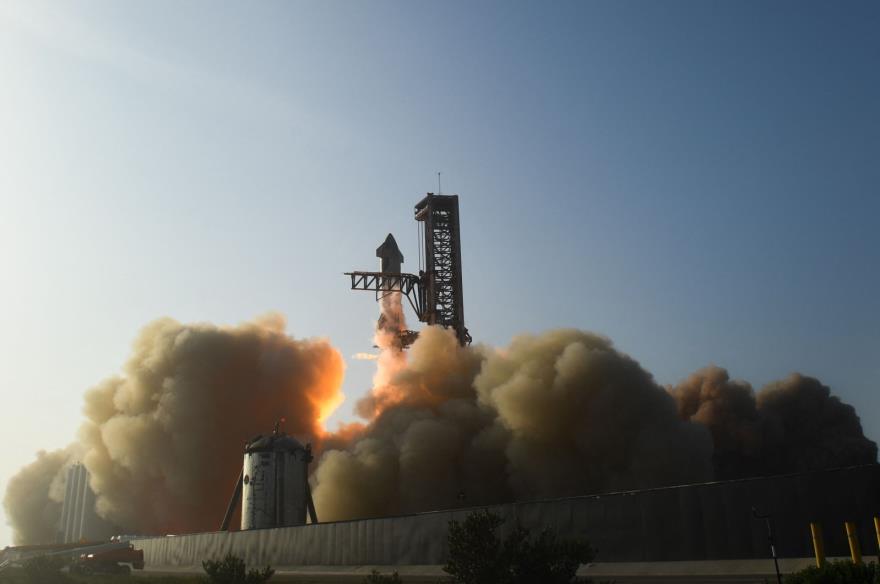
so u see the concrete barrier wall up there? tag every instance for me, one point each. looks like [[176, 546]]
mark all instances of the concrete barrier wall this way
[[711, 521]]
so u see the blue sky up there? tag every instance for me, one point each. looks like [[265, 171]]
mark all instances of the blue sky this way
[[696, 180]]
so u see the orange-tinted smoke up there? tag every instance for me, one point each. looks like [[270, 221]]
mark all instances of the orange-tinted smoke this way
[[556, 414], [560, 413], [163, 441]]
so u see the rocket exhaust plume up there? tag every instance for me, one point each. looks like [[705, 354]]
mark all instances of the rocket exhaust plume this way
[[555, 414], [391, 358]]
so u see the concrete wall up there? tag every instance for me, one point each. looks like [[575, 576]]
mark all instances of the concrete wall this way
[[710, 521]]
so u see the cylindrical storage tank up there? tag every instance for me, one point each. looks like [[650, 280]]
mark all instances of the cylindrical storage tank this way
[[274, 482]]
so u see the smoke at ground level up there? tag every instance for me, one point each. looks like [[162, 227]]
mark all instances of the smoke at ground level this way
[[552, 414]]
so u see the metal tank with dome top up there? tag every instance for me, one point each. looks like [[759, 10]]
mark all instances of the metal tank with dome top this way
[[274, 483]]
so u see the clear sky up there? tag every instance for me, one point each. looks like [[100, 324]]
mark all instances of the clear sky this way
[[696, 180]]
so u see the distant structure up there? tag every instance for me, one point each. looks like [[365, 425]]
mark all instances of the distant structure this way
[[436, 293], [79, 522], [274, 484]]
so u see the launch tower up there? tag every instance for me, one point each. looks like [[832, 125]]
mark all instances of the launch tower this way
[[435, 294]]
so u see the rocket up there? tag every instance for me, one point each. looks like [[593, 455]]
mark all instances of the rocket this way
[[390, 256]]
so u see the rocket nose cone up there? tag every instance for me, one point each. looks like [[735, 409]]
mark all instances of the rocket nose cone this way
[[389, 249]]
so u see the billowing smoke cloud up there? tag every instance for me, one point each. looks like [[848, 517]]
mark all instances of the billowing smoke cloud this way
[[163, 441], [557, 414], [791, 425], [561, 413], [416, 450], [34, 496], [585, 418]]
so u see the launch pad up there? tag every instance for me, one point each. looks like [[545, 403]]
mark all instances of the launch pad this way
[[435, 293]]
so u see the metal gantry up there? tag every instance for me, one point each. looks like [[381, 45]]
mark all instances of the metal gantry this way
[[383, 283], [444, 295]]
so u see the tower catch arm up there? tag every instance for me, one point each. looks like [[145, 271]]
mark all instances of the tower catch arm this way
[[383, 283]]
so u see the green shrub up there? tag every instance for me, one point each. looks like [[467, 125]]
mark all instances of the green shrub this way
[[232, 570], [478, 556], [376, 578], [546, 558], [837, 573]]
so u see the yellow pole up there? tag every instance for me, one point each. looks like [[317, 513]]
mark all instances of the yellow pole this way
[[853, 537], [818, 544], [877, 529]]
